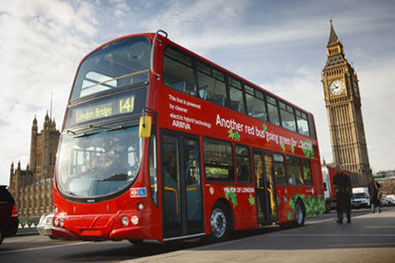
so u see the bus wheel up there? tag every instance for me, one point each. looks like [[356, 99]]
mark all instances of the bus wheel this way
[[220, 223], [327, 206], [299, 214]]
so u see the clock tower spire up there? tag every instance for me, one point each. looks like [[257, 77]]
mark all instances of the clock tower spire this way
[[343, 105]]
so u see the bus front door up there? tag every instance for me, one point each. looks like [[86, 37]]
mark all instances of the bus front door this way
[[182, 204], [265, 187]]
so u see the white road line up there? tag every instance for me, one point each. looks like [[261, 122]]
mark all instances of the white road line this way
[[40, 248], [333, 235]]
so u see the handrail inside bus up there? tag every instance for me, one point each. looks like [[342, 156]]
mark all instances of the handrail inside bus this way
[[153, 51], [119, 77]]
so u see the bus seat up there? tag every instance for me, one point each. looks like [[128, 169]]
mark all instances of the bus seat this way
[[218, 99], [180, 86], [203, 93], [235, 105]]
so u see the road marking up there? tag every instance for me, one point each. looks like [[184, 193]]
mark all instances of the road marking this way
[[40, 248], [333, 235]]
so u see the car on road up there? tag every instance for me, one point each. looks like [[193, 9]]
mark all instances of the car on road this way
[[45, 224], [360, 198], [8, 214]]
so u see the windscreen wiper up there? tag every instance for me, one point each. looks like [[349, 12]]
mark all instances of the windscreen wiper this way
[[70, 131], [85, 134], [120, 127]]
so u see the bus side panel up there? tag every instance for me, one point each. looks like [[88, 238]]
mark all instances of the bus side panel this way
[[312, 197], [239, 198]]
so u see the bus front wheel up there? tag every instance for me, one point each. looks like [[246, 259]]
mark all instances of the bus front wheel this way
[[220, 223]]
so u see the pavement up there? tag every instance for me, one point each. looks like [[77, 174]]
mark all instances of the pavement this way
[[369, 238]]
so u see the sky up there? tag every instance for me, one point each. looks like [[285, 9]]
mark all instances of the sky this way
[[277, 44]]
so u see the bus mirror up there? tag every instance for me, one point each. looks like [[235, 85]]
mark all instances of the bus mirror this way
[[145, 126]]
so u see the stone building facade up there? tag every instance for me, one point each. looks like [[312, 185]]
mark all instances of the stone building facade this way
[[343, 105], [32, 187]]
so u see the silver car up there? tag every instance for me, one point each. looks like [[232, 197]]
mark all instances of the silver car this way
[[44, 227]]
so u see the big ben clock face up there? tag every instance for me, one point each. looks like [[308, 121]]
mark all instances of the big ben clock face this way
[[336, 87]]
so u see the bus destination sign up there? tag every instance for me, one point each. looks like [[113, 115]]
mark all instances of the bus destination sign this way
[[114, 106]]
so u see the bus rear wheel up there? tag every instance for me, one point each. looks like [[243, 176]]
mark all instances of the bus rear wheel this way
[[1, 236], [220, 223], [299, 214]]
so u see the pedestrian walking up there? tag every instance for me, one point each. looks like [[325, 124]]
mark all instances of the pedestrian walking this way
[[342, 184], [374, 196]]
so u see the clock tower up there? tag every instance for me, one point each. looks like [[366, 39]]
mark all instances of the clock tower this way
[[343, 105]]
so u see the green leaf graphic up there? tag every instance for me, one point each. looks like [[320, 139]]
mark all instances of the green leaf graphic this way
[[290, 216], [233, 198], [237, 136], [231, 134], [264, 128], [251, 199], [283, 146], [293, 148]]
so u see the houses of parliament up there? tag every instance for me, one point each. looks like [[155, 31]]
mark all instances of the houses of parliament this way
[[32, 187]]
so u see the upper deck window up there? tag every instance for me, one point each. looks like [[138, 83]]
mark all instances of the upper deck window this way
[[255, 103], [303, 125], [178, 71], [118, 64], [273, 110], [211, 84], [236, 95], [287, 117]]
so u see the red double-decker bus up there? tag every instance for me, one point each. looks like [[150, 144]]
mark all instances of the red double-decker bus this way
[[161, 144]]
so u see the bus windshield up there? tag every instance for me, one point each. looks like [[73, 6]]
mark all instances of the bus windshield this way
[[118, 64], [98, 162]]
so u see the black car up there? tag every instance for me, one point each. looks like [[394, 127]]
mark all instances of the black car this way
[[8, 214]]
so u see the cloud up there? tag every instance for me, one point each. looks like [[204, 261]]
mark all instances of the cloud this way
[[42, 44], [278, 45]]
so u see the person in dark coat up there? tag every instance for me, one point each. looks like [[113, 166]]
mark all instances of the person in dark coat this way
[[342, 184], [374, 196]]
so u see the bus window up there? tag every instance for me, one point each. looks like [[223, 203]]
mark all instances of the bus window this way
[[115, 65], [243, 169], [294, 170], [255, 103], [307, 174], [303, 125], [311, 125], [287, 116], [211, 84], [279, 169], [218, 160], [178, 72], [236, 95], [273, 110]]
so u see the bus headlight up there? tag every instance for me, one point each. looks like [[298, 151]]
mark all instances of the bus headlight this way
[[56, 221], [135, 220], [125, 221], [61, 222]]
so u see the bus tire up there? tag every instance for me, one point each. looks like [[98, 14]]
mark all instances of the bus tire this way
[[220, 223], [327, 206], [300, 214], [1, 236]]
